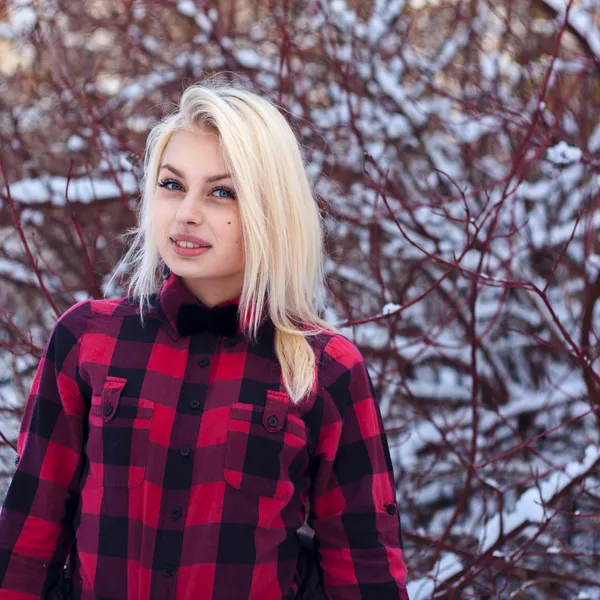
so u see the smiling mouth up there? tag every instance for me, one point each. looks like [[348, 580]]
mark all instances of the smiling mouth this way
[[189, 245]]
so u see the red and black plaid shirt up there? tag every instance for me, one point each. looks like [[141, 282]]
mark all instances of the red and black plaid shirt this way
[[182, 470]]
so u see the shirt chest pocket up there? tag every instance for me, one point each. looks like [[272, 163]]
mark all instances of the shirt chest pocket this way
[[118, 438], [266, 448]]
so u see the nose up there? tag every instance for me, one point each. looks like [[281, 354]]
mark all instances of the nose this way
[[190, 210]]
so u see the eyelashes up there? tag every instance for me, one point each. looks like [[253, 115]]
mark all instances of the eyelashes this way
[[166, 183], [231, 193]]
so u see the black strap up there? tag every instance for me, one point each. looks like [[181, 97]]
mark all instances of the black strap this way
[[63, 590], [311, 580]]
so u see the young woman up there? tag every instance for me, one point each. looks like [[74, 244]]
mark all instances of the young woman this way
[[175, 441]]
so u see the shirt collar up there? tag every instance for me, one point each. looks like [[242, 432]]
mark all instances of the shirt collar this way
[[174, 294]]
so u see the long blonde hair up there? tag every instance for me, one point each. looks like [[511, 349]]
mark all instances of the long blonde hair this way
[[281, 224]]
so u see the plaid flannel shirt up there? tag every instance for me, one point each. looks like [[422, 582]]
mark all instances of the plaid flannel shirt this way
[[182, 471]]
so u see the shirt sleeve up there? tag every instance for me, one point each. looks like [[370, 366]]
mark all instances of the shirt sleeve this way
[[353, 509], [36, 519]]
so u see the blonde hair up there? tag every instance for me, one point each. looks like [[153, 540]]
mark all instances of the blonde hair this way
[[281, 225]]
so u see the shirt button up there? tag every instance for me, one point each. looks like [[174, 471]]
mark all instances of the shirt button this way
[[195, 404], [203, 362], [391, 509], [107, 410], [185, 451], [167, 570], [176, 513], [272, 421]]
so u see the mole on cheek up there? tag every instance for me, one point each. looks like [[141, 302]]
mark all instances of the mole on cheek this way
[[228, 222]]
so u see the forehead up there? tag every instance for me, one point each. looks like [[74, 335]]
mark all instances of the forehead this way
[[195, 153]]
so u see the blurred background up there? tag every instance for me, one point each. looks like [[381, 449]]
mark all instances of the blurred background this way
[[454, 147]]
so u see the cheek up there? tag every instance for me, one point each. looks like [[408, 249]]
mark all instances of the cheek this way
[[160, 217], [238, 236], [234, 229]]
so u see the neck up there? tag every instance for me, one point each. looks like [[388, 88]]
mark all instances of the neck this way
[[213, 294]]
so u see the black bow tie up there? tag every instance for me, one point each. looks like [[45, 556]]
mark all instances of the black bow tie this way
[[221, 320]]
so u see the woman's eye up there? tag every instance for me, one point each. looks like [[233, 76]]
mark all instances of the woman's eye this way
[[170, 184], [223, 192]]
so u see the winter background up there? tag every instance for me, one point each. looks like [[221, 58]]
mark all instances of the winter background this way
[[454, 147]]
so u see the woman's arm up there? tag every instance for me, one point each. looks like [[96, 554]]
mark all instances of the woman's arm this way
[[353, 505], [36, 526]]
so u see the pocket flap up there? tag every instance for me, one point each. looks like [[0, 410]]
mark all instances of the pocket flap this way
[[111, 394], [276, 409]]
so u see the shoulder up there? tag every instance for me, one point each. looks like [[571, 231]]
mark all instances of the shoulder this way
[[73, 321], [76, 317], [341, 350], [336, 354], [115, 307]]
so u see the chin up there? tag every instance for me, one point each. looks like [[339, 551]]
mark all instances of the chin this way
[[188, 272]]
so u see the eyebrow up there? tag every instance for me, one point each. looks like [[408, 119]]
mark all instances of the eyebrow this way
[[210, 179]]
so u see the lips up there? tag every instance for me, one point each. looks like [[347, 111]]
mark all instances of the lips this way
[[189, 246], [190, 239]]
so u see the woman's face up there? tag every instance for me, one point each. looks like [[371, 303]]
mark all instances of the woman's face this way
[[197, 219]]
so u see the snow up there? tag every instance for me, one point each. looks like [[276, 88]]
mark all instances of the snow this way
[[489, 65], [139, 11], [150, 44], [423, 434], [99, 40], [53, 189], [22, 18], [248, 58], [448, 566], [563, 154], [447, 147], [391, 86], [529, 507], [17, 272], [109, 85], [32, 216], [6, 31], [420, 589], [187, 7], [470, 130], [204, 22], [145, 84], [389, 308], [594, 140], [75, 143], [398, 126]]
